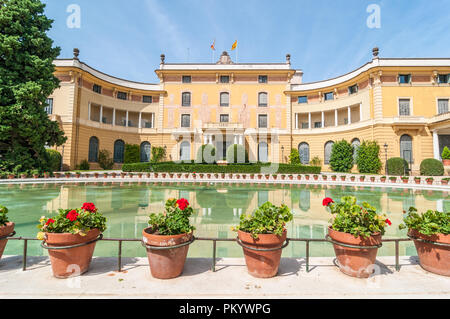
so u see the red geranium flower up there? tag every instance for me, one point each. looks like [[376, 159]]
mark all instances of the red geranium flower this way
[[90, 207], [327, 201], [388, 222], [182, 203], [72, 215], [50, 221]]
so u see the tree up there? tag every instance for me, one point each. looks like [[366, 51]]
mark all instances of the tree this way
[[294, 157], [132, 154], [341, 159], [158, 154], [26, 81], [368, 158], [105, 160]]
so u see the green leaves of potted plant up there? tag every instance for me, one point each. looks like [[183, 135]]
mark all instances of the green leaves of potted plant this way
[[333, 177], [405, 179], [261, 236], [169, 229], [429, 180], [431, 234], [72, 234], [356, 232], [417, 180], [383, 179], [393, 179], [444, 181], [6, 229]]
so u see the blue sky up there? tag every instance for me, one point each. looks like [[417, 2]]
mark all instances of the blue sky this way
[[325, 38]]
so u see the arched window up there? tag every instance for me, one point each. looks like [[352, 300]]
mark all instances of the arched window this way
[[303, 151], [224, 99], [185, 151], [186, 99], [93, 149], [119, 149], [263, 152], [146, 149], [262, 99], [406, 148], [328, 148], [355, 144]]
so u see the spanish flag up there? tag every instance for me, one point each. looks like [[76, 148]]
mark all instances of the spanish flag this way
[[213, 46], [234, 45]]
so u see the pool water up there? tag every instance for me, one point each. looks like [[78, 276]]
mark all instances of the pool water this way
[[217, 208]]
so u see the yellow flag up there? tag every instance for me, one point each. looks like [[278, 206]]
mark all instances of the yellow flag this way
[[234, 45]]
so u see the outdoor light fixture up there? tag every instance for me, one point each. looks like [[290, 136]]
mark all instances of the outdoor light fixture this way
[[385, 165], [282, 153]]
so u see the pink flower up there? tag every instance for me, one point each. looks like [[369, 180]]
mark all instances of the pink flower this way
[[327, 201]]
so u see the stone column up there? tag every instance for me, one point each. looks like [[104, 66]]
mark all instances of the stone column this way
[[114, 117], [335, 117], [296, 121], [126, 124], [436, 146], [101, 113], [309, 120], [323, 119], [349, 111], [140, 119]]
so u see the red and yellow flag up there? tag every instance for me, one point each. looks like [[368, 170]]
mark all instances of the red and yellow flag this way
[[234, 46], [213, 46]]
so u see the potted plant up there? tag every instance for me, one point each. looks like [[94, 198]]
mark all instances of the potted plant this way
[[343, 177], [163, 175], [307, 177], [155, 175], [417, 180], [113, 174], [429, 180], [267, 176], [333, 177], [264, 229], [316, 177], [131, 174], [362, 178], [357, 225], [6, 229], [383, 179], [299, 177], [105, 174], [96, 174], [446, 156], [46, 174], [430, 232], [67, 174], [352, 178], [171, 228], [123, 174], [444, 181], [23, 175], [11, 175], [194, 175], [405, 179], [274, 176], [179, 175], [72, 227], [393, 179], [372, 179], [291, 177]]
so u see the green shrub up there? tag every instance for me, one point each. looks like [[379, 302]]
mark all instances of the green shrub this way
[[237, 154], [428, 223], [368, 158], [132, 153], [446, 153], [54, 159], [316, 161], [206, 154], [104, 159], [341, 159], [294, 158], [396, 166], [83, 166], [158, 154], [431, 167]]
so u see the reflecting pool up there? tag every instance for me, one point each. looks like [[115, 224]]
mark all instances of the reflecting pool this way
[[217, 208]]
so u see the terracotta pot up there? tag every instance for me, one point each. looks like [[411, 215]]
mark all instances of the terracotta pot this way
[[307, 177], [262, 264], [140, 175], [259, 176], [417, 181], [179, 175], [168, 263], [429, 182], [352, 178], [70, 262], [383, 179], [372, 179], [343, 178], [299, 177], [291, 177], [163, 175], [324, 177], [444, 182], [23, 176], [57, 175], [333, 178], [96, 175], [283, 177], [156, 175], [5, 230], [433, 258], [405, 181], [123, 175], [316, 178], [446, 162], [355, 262], [11, 176]]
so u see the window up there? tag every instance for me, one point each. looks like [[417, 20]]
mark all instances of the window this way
[[224, 79], [146, 149], [262, 121], [263, 152], [147, 99], [185, 151], [262, 79], [305, 125], [97, 89], [186, 79], [442, 106], [224, 118], [303, 151], [302, 99], [262, 99], [355, 144], [49, 108], [329, 96], [317, 124], [406, 148], [119, 150], [444, 78], [327, 151], [121, 95], [93, 149], [403, 107], [224, 99], [185, 120], [186, 99], [404, 78], [353, 89]]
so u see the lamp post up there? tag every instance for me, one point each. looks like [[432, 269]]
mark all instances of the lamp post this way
[[385, 165], [62, 158], [282, 154]]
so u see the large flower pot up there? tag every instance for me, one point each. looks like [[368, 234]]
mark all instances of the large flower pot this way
[[167, 263], [73, 261], [355, 262], [4, 231], [262, 264], [433, 258]]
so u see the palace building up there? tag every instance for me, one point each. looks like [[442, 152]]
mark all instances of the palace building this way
[[401, 103]]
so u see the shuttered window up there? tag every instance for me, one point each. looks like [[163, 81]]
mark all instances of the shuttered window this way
[[262, 99], [186, 99], [224, 99], [404, 107], [442, 106]]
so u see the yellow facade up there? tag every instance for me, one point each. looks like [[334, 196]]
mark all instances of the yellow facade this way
[[256, 105]]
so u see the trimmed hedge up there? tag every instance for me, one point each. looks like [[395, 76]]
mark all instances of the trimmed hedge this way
[[341, 159], [132, 153], [368, 158], [396, 166], [213, 168], [431, 167]]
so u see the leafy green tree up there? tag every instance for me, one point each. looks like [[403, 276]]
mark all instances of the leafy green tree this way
[[294, 158], [105, 160], [368, 158], [132, 154], [158, 154], [341, 159], [26, 81]]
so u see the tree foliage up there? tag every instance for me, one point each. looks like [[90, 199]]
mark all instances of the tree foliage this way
[[294, 157], [105, 160], [341, 159], [132, 154], [26, 81], [368, 158]]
